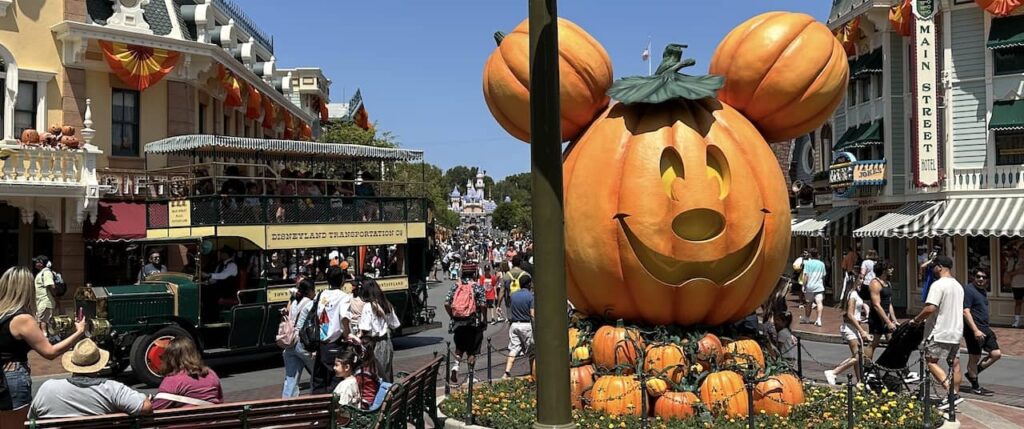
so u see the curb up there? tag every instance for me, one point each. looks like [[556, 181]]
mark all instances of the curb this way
[[451, 423]]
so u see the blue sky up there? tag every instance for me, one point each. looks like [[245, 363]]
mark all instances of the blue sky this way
[[419, 63]]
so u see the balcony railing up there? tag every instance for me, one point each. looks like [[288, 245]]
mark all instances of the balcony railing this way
[[998, 177], [45, 166], [258, 209]]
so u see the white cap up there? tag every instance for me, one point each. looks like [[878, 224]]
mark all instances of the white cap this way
[[333, 255]]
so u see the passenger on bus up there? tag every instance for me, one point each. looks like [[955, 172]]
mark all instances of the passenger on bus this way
[[222, 283]]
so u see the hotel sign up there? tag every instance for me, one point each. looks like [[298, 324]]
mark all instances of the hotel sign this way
[[926, 171]]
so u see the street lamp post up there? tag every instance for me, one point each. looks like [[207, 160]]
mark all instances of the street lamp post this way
[[553, 402]]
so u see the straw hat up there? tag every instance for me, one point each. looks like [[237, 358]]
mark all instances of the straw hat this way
[[85, 358]]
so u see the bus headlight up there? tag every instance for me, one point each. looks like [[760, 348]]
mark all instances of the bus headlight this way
[[61, 326]]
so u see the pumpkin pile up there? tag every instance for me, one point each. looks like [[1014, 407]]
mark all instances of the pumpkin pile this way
[[58, 137], [633, 372]]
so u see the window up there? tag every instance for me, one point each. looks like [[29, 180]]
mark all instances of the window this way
[[877, 79], [125, 127], [1008, 60], [202, 119], [1009, 147], [25, 107], [1011, 263], [851, 93], [225, 130], [978, 255], [865, 90]]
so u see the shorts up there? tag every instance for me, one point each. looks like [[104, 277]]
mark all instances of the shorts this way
[[849, 334], [520, 338], [810, 296], [941, 351], [988, 344], [468, 339], [1018, 294], [44, 315], [490, 303]]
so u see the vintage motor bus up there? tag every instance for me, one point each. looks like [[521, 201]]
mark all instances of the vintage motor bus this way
[[278, 210]]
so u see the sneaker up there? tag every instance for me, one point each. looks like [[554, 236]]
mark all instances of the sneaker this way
[[804, 320], [830, 377], [1016, 324], [982, 391], [453, 376], [817, 323], [912, 377], [957, 400]]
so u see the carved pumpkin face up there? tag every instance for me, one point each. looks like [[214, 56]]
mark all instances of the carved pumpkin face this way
[[675, 213]]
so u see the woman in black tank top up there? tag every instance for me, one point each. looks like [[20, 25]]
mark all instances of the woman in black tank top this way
[[276, 270], [881, 318], [20, 333]]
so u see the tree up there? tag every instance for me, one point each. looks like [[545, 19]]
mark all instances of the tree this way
[[511, 215], [518, 187], [425, 180], [346, 132], [458, 175]]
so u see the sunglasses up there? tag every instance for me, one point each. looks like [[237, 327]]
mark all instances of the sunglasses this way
[[981, 277]]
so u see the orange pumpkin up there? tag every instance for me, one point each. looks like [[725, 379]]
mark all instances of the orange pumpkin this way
[[666, 361], [617, 395], [30, 136], [585, 73], [744, 353], [709, 350], [778, 394], [784, 71], [581, 378], [656, 387], [70, 142], [724, 392], [67, 130], [616, 345], [675, 405], [676, 212]]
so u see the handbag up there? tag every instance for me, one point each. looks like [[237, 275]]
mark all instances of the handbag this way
[[309, 333], [286, 335]]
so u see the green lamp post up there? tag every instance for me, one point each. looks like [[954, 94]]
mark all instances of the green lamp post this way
[[553, 402]]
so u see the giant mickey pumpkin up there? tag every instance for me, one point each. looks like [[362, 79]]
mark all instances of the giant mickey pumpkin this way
[[676, 211], [585, 73], [785, 71]]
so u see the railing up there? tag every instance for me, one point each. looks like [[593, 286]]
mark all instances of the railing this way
[[247, 24], [998, 177], [292, 209], [38, 165]]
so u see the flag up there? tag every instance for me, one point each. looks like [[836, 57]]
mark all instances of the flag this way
[[646, 54]]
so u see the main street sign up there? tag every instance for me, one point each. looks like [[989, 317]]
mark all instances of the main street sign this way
[[926, 171]]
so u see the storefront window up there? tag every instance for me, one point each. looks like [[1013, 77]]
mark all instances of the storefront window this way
[[1009, 148], [1011, 263], [978, 254]]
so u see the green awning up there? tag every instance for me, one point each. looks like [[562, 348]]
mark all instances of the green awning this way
[[1006, 32], [869, 63], [1007, 115], [843, 141], [865, 135]]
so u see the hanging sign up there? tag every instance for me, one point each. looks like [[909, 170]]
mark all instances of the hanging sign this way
[[926, 113]]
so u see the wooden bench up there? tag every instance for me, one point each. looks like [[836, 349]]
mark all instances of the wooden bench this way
[[400, 405]]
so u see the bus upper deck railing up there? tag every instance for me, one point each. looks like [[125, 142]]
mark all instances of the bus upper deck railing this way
[[212, 210]]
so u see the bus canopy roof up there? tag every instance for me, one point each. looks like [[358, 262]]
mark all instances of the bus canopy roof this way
[[196, 142]]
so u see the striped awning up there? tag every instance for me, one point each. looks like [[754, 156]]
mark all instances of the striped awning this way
[[836, 221], [987, 217], [911, 220], [188, 143]]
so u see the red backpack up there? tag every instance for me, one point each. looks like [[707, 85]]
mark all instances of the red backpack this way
[[463, 301]]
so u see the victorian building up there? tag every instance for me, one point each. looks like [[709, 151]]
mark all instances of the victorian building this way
[[90, 82], [927, 150], [473, 207]]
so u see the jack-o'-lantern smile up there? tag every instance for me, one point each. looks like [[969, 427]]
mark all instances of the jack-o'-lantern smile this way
[[675, 272]]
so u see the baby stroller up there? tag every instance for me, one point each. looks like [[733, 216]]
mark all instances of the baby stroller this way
[[890, 370]]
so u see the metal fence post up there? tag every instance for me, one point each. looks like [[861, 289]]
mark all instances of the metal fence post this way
[[490, 379], [849, 401], [447, 368], [799, 358], [643, 398], [750, 406], [951, 394], [860, 362], [469, 393], [925, 390]]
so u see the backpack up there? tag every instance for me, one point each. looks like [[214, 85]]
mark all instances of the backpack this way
[[286, 334], [463, 301], [59, 287], [309, 334], [514, 285]]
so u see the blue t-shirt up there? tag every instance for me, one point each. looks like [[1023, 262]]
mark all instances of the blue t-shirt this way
[[522, 303], [977, 301], [814, 270]]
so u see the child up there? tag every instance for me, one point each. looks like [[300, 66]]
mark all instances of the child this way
[[785, 340], [344, 368]]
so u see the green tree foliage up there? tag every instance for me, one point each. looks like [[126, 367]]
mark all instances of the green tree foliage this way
[[511, 215], [518, 187], [346, 132], [427, 181]]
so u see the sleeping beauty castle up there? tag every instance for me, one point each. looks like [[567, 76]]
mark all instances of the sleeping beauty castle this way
[[473, 207]]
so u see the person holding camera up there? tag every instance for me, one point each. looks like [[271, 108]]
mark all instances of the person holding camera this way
[[943, 315]]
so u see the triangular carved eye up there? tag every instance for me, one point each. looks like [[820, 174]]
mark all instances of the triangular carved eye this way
[[718, 169], [671, 169]]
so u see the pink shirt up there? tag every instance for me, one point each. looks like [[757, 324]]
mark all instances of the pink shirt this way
[[204, 388]]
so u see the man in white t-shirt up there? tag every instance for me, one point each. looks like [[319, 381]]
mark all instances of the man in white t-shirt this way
[[943, 315], [813, 279], [332, 310]]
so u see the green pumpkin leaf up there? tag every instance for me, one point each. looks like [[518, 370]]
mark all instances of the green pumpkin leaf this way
[[667, 83]]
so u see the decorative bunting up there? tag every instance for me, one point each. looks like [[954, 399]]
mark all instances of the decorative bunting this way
[[1000, 8], [307, 132], [269, 114], [901, 17], [848, 35], [324, 113], [232, 88], [252, 110], [138, 66], [289, 132]]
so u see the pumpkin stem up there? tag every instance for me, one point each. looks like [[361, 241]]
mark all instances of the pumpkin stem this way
[[666, 83], [498, 37]]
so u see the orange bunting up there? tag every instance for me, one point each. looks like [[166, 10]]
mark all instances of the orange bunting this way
[[138, 66], [232, 87], [269, 114], [307, 132], [324, 113], [1000, 8], [848, 35], [252, 108], [901, 17], [361, 118], [289, 132]]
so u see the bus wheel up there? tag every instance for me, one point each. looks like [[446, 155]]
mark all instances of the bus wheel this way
[[148, 351]]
